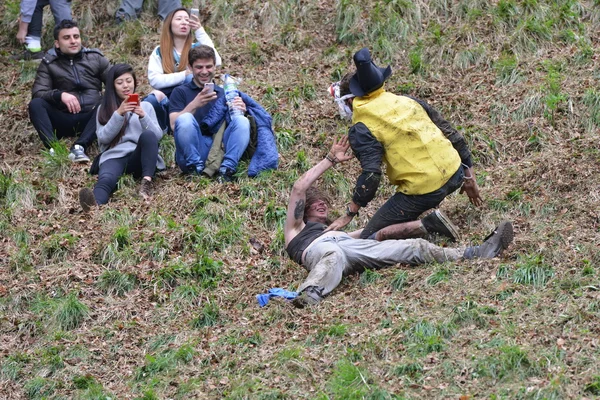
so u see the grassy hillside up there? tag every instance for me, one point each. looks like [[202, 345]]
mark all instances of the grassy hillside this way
[[155, 300]]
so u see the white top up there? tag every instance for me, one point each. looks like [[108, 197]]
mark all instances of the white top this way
[[156, 75]]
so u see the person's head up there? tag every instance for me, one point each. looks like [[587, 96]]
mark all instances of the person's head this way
[[67, 38], [342, 96], [202, 61], [368, 77], [121, 82], [316, 206], [175, 26]]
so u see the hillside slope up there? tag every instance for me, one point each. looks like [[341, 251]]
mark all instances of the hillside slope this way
[[156, 300]]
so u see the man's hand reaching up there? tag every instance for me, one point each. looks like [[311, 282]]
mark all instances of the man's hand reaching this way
[[471, 189]]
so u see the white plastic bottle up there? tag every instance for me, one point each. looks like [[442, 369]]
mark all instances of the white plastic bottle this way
[[231, 91]]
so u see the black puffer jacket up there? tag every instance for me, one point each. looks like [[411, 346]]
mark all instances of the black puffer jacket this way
[[82, 76]]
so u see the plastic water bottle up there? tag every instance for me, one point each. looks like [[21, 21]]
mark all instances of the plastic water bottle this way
[[231, 92]]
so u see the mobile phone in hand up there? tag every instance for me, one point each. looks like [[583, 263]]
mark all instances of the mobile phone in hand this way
[[195, 11], [210, 86], [133, 98]]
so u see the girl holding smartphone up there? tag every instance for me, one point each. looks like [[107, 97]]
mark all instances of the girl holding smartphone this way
[[168, 63], [128, 135]]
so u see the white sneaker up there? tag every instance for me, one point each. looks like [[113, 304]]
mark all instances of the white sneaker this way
[[77, 154]]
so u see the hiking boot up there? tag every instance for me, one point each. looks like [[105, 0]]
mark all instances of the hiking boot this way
[[145, 189], [87, 200], [494, 243], [28, 55], [309, 297], [225, 175], [77, 154], [438, 222]]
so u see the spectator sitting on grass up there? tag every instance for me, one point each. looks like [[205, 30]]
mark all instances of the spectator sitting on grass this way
[[168, 63], [66, 91], [128, 135], [328, 255], [208, 138]]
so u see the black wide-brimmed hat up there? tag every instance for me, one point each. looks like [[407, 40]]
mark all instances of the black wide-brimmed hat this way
[[368, 76]]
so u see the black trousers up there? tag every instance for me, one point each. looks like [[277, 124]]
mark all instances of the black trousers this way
[[140, 162], [53, 124]]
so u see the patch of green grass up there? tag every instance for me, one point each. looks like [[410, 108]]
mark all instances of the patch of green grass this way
[[508, 363], [12, 365], [166, 150], [347, 21], [209, 316], [441, 274], [532, 270], [348, 381], [506, 70], [593, 387], [166, 361], [413, 370], [56, 160], [186, 294], [424, 337], [369, 277], [57, 246], [470, 313], [116, 282], [416, 62], [336, 330], [39, 388], [399, 280], [70, 312]]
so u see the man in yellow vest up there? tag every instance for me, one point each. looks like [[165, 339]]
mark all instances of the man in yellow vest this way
[[425, 157]]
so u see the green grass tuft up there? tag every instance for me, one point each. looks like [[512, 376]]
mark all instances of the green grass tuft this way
[[70, 312]]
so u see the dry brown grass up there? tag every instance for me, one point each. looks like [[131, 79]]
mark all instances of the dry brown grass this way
[[495, 337]]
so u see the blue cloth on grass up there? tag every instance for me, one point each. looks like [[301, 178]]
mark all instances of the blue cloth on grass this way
[[263, 299]]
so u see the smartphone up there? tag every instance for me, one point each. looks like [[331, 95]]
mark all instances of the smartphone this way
[[134, 98], [195, 11], [210, 86]]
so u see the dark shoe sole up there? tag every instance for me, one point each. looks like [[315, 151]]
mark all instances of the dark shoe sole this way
[[87, 200], [505, 234]]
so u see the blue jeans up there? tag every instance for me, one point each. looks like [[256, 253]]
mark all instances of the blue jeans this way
[[192, 148], [404, 208]]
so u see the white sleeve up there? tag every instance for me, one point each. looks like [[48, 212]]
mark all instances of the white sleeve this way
[[156, 76], [149, 121], [203, 38]]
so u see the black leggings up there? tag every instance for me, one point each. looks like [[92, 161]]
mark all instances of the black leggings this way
[[140, 162]]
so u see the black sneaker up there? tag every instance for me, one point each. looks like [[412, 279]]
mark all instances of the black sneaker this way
[[28, 55], [309, 297], [225, 176], [494, 243], [437, 222], [87, 200]]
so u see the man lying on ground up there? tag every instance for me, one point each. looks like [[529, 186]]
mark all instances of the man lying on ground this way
[[330, 255]]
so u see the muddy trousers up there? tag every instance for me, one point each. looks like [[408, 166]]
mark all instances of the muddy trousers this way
[[334, 257]]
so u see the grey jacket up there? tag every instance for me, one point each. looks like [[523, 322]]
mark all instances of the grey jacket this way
[[128, 142]]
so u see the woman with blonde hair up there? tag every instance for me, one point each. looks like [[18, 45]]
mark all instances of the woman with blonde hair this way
[[168, 63]]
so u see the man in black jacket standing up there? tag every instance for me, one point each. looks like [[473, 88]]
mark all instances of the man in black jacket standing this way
[[67, 90]]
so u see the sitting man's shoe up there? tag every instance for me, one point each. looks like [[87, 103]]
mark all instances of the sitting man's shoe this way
[[494, 244], [87, 200], [146, 189], [28, 55], [438, 222], [77, 154], [309, 297], [225, 175]]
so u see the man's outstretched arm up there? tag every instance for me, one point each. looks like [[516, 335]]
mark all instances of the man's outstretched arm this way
[[294, 222]]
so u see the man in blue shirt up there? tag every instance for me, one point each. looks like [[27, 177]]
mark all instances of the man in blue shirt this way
[[189, 104]]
